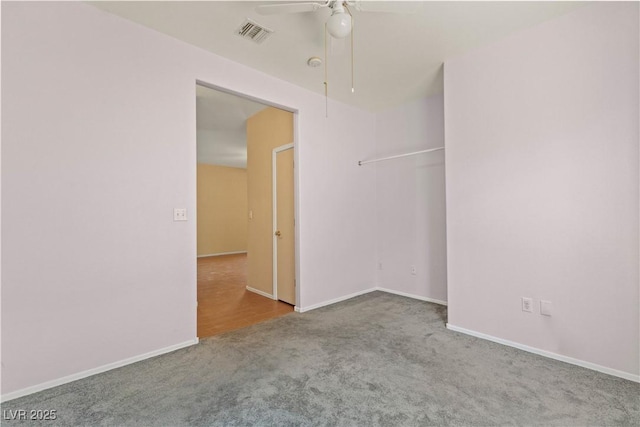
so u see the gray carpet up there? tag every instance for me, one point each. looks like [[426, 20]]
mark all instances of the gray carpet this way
[[375, 360]]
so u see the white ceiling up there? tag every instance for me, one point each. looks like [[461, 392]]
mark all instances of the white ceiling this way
[[218, 110], [398, 57], [221, 127]]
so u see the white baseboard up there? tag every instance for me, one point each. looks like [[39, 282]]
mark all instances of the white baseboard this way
[[222, 253], [259, 292], [366, 291], [545, 353], [418, 297], [333, 301], [94, 371]]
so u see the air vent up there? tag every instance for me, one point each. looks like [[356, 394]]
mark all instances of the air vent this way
[[253, 31]]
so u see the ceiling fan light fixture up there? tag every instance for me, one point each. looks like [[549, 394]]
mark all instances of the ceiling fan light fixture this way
[[339, 24]]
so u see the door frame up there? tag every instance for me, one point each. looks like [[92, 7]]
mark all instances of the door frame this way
[[274, 208], [296, 179]]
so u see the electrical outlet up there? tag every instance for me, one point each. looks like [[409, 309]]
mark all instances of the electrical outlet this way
[[413, 270], [527, 304]]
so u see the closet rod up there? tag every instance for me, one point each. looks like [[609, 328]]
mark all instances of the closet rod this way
[[364, 162]]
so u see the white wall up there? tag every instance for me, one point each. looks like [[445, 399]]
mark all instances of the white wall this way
[[410, 202], [98, 147], [340, 203], [542, 186]]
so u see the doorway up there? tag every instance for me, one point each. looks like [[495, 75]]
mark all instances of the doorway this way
[[237, 279]]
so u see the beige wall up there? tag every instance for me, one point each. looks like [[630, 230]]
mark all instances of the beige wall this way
[[266, 130], [222, 209]]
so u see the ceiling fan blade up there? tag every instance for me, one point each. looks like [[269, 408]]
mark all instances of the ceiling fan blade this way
[[273, 9], [386, 6]]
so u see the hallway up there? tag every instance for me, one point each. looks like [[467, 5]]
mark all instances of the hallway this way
[[224, 303]]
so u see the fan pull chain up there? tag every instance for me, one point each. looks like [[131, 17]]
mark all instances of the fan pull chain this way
[[353, 28], [326, 75]]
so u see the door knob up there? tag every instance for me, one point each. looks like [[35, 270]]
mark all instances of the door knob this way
[[277, 233]]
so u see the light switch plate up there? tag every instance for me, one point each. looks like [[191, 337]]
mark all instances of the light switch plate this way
[[179, 214], [545, 308]]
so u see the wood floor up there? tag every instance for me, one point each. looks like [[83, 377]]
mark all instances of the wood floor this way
[[224, 304]]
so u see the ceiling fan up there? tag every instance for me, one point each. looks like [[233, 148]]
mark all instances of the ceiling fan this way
[[340, 23]]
